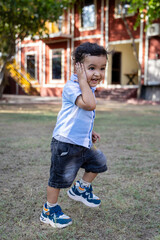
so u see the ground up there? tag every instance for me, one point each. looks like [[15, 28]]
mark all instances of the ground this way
[[129, 190]]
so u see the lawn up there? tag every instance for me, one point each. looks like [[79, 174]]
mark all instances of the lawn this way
[[129, 190]]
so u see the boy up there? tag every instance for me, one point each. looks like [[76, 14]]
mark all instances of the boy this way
[[73, 135]]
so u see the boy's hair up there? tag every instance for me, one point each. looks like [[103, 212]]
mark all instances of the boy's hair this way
[[88, 49]]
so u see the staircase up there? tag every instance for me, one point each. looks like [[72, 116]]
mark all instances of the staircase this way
[[118, 94], [24, 80]]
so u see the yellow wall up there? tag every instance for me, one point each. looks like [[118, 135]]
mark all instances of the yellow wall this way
[[128, 62]]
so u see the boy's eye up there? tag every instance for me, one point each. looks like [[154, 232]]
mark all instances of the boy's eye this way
[[91, 68], [102, 69]]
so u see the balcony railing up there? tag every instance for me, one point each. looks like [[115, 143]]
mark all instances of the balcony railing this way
[[23, 79]]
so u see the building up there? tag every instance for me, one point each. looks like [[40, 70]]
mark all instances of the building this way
[[49, 60]]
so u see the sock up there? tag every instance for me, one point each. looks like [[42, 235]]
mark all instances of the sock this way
[[49, 205], [84, 183]]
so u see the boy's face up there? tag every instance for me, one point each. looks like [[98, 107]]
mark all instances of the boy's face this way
[[95, 69]]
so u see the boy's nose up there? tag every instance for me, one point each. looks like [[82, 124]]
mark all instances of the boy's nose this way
[[96, 73]]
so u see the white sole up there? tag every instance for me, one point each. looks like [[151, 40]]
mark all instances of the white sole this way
[[81, 199], [55, 225]]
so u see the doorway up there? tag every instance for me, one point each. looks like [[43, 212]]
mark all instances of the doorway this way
[[116, 68]]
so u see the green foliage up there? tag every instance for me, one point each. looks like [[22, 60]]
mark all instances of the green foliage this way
[[22, 18], [149, 9]]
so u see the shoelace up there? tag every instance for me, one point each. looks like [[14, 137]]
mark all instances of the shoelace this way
[[57, 211], [89, 190]]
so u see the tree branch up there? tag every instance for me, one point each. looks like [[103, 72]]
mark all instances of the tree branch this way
[[134, 53]]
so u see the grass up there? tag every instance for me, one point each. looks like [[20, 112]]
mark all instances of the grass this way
[[129, 190]]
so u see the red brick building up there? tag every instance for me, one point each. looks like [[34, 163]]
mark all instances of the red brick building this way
[[49, 61]]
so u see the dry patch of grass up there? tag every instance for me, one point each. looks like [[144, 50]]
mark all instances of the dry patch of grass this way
[[129, 190]]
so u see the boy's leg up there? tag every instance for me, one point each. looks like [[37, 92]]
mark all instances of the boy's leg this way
[[82, 191], [60, 177], [89, 176], [52, 213], [52, 194], [95, 162]]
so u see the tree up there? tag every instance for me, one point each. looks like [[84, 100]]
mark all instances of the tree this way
[[149, 11], [22, 18]]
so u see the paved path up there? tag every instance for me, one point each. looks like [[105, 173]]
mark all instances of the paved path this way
[[25, 99]]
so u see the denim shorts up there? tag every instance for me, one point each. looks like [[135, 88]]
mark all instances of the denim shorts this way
[[67, 159]]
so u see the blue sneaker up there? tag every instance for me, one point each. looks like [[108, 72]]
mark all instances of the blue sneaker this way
[[55, 217], [84, 194]]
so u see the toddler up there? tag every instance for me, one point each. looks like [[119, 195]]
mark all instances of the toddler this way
[[73, 136]]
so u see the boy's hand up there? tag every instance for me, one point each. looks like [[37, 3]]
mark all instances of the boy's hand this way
[[86, 100], [95, 137], [81, 74]]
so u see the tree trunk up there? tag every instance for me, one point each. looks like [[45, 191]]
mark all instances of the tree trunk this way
[[3, 71], [134, 53], [3, 80]]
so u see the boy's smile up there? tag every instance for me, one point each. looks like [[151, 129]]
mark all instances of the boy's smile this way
[[95, 69]]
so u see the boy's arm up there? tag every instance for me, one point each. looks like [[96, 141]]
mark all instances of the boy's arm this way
[[87, 100]]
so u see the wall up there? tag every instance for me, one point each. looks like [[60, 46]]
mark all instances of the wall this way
[[117, 29]]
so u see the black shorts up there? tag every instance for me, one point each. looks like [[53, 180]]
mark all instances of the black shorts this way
[[67, 159]]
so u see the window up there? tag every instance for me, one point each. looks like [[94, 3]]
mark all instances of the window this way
[[88, 14], [31, 69], [122, 8], [57, 65]]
